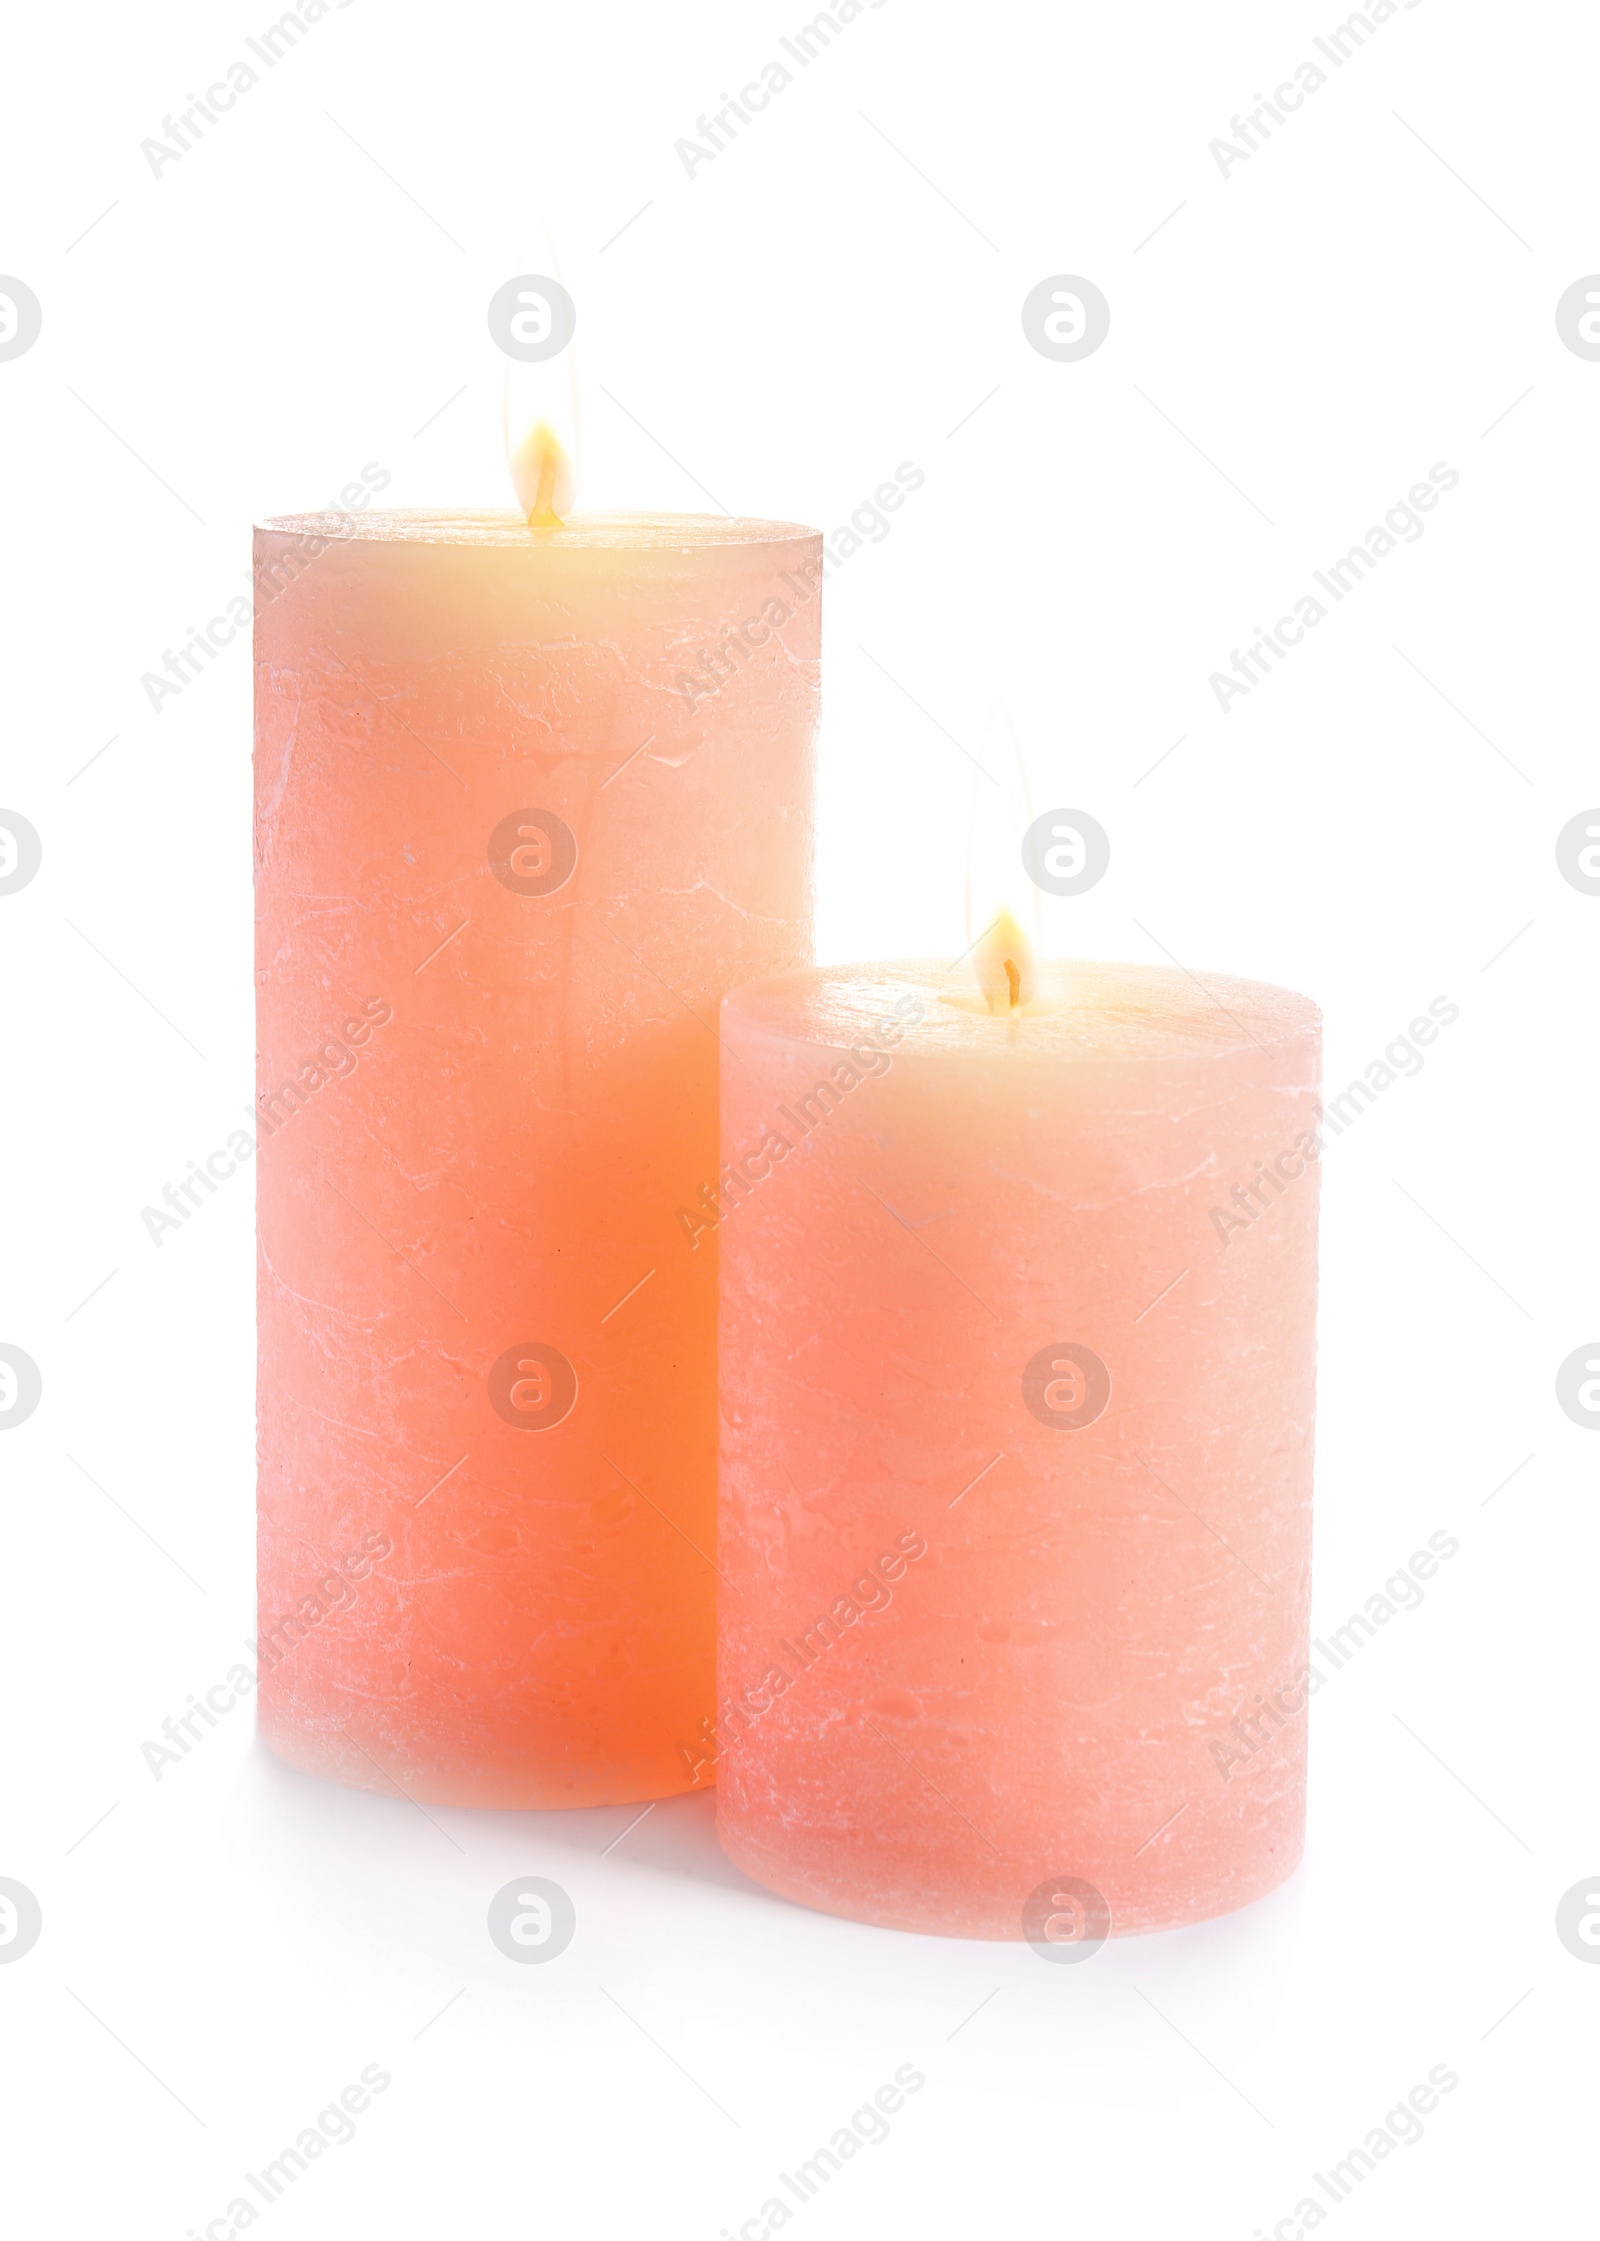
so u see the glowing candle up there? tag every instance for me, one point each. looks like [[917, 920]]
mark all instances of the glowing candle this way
[[1016, 1443], [529, 801]]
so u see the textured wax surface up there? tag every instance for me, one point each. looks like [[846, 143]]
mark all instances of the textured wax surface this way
[[690, 534], [496, 1163], [1055, 1669]]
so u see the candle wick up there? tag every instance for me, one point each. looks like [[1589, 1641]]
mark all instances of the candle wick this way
[[1004, 963]]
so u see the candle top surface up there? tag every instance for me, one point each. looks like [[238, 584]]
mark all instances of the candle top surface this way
[[585, 532], [1084, 1009]]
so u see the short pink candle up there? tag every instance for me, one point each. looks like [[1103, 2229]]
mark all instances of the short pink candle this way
[[1015, 1482]]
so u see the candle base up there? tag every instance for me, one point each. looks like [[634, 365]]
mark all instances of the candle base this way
[[1015, 1905], [494, 1781]]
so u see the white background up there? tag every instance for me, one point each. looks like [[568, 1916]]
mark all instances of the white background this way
[[1371, 292]]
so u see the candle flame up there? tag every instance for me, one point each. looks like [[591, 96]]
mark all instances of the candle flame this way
[[539, 400], [1002, 955], [541, 470], [1006, 968]]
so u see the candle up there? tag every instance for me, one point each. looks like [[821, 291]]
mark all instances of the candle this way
[[1016, 1443], [529, 802]]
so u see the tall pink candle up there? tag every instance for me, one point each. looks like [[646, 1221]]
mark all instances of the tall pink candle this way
[[1016, 1446], [528, 804]]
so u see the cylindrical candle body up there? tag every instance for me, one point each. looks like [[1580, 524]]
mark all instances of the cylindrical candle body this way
[[1016, 1368], [527, 806]]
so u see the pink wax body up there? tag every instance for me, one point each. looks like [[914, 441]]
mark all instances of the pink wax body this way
[[1016, 1439], [527, 806]]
